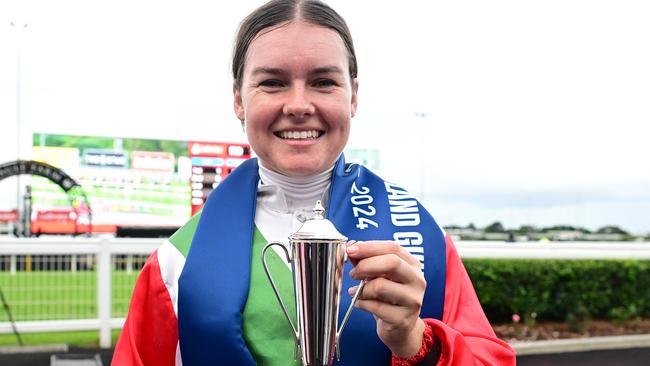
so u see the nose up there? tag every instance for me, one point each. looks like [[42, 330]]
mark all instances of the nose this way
[[298, 103]]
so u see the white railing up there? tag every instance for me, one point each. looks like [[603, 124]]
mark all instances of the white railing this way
[[554, 250], [64, 283], [43, 275]]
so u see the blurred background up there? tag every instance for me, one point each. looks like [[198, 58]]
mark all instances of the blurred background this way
[[512, 121]]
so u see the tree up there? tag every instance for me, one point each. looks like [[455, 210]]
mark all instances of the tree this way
[[526, 229], [495, 227], [612, 230], [559, 228], [452, 227]]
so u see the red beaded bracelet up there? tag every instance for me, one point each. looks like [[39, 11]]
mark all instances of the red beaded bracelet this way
[[428, 341]]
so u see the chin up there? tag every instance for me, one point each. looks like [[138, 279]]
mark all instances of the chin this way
[[301, 169], [299, 166]]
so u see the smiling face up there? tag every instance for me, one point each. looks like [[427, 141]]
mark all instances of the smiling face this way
[[296, 98]]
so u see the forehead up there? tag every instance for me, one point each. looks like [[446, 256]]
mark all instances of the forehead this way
[[297, 44]]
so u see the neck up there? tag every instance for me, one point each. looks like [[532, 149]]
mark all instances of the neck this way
[[299, 192]]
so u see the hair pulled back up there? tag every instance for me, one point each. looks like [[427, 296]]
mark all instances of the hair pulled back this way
[[276, 12]]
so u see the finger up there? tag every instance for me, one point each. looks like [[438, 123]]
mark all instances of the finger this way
[[391, 314], [384, 290], [390, 266], [366, 249], [347, 245]]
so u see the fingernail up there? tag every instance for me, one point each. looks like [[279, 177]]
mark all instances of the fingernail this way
[[352, 249], [352, 290], [353, 271]]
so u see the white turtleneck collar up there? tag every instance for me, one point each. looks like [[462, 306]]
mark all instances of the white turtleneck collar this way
[[297, 192], [284, 203]]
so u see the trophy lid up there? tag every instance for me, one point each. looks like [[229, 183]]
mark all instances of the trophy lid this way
[[318, 228]]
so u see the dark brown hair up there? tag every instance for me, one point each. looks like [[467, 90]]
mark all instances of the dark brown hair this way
[[276, 12]]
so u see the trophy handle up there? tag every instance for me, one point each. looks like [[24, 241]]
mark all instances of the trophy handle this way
[[277, 293], [337, 345]]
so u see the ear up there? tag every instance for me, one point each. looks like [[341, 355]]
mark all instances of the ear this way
[[238, 103], [353, 100]]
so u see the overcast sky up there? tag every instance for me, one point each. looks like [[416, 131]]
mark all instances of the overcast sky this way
[[528, 112]]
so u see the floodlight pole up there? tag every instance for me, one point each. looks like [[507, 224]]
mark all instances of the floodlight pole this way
[[21, 212]]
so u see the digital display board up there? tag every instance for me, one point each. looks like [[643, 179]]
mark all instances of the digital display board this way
[[211, 164], [130, 182]]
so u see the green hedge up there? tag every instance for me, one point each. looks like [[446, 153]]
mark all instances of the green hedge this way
[[564, 290]]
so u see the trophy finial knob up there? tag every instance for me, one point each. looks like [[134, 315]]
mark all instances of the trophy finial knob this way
[[318, 228], [318, 210]]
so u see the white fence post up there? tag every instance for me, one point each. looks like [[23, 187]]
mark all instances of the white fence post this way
[[73, 263], [104, 271], [129, 264], [12, 265]]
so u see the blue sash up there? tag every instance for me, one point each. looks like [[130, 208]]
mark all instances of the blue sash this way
[[213, 286]]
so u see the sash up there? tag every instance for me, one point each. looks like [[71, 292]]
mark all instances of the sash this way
[[214, 283]]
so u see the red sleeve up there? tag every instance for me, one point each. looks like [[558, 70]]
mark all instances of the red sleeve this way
[[465, 335], [150, 333]]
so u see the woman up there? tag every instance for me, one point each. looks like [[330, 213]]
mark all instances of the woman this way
[[202, 298]]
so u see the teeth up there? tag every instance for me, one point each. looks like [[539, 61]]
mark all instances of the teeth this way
[[295, 135]]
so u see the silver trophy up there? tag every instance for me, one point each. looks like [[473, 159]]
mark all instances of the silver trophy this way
[[317, 256]]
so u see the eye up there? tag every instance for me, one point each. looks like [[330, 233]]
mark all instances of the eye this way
[[324, 83], [271, 83]]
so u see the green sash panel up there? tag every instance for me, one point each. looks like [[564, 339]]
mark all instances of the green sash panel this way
[[266, 331]]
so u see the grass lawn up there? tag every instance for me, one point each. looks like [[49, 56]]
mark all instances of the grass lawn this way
[[56, 295]]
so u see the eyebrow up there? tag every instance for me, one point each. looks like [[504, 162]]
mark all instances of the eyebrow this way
[[316, 71], [327, 70], [267, 70]]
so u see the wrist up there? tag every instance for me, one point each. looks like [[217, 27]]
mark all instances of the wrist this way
[[412, 343], [429, 353]]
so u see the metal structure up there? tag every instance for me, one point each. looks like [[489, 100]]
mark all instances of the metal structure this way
[[76, 195]]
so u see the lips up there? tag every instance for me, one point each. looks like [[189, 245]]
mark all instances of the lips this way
[[299, 135]]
